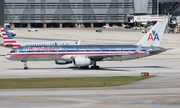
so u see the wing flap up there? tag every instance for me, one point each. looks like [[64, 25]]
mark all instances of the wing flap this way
[[104, 57]]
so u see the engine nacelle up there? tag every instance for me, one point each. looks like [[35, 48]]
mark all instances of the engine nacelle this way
[[61, 62], [82, 61]]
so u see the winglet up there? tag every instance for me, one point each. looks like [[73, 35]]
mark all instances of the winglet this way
[[154, 36]]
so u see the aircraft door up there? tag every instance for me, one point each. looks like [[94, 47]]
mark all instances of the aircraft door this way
[[57, 53], [25, 53]]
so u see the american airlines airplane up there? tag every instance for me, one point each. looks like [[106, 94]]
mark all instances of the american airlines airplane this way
[[10, 42], [85, 55]]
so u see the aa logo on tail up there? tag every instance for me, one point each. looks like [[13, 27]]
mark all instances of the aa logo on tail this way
[[153, 36]]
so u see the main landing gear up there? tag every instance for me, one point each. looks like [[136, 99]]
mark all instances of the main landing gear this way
[[94, 65], [25, 65]]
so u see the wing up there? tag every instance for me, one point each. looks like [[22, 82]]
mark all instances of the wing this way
[[105, 57]]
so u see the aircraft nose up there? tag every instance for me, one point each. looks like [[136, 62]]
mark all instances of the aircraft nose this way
[[7, 56]]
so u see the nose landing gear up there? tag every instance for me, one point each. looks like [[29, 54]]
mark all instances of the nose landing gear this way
[[25, 68], [25, 65]]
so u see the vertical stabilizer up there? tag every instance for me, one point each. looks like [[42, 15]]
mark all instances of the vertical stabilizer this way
[[8, 40], [154, 36], [7, 37]]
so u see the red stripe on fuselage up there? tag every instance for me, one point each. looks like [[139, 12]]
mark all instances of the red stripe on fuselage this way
[[18, 45], [71, 53]]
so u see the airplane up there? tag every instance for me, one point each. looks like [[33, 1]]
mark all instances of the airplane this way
[[85, 55], [10, 42]]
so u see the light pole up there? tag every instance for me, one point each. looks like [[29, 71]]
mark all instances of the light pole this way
[[157, 8], [2, 12], [14, 12], [165, 11]]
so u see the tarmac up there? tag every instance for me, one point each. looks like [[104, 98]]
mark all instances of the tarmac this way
[[162, 91]]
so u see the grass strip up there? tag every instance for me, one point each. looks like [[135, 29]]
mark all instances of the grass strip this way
[[70, 82]]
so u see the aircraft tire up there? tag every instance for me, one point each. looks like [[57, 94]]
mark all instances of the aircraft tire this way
[[25, 68], [95, 67]]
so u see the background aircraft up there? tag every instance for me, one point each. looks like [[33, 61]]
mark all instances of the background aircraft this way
[[10, 42], [85, 55]]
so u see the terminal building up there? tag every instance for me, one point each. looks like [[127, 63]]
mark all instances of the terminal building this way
[[89, 13]]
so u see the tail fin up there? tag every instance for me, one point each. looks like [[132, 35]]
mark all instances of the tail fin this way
[[154, 36], [8, 40], [7, 37]]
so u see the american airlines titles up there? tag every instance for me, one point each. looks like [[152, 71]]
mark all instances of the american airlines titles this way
[[41, 48]]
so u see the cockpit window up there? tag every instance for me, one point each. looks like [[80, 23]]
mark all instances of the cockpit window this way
[[12, 51]]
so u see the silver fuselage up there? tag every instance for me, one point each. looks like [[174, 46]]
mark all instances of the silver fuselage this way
[[94, 52]]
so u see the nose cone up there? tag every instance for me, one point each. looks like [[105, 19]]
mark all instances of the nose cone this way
[[8, 56]]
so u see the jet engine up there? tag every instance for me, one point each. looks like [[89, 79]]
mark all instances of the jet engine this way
[[82, 61], [61, 62]]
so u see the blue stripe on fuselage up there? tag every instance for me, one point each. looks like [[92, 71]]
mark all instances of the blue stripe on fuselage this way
[[81, 51], [83, 48]]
